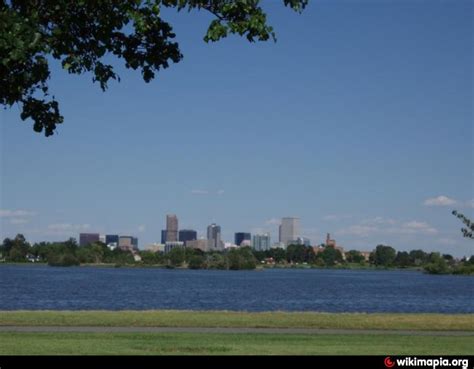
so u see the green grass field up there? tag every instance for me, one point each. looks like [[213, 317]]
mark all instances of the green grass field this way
[[171, 318], [228, 344], [358, 343]]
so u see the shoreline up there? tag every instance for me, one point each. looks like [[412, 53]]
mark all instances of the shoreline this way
[[258, 268]]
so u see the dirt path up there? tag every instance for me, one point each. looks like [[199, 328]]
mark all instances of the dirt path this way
[[315, 331]]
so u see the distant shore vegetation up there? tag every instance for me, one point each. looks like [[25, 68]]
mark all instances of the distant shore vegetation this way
[[69, 253]]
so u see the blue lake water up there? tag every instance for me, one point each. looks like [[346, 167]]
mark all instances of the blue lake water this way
[[85, 288]]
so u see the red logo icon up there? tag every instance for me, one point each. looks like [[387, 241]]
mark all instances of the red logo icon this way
[[388, 362]]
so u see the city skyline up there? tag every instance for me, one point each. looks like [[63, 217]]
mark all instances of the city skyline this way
[[363, 131], [214, 241]]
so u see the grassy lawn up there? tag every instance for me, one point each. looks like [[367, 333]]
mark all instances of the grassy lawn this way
[[170, 318], [228, 344]]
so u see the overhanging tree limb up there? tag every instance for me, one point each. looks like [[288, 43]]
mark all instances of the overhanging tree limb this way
[[469, 231], [80, 34]]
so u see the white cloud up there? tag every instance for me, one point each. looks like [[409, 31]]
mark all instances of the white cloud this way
[[62, 229], [6, 213], [417, 227], [470, 203], [358, 230], [199, 192], [141, 228], [379, 221], [68, 227], [220, 192], [439, 201], [273, 221], [18, 221], [383, 226]]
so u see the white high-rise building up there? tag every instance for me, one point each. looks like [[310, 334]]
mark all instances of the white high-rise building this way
[[289, 229], [261, 242]]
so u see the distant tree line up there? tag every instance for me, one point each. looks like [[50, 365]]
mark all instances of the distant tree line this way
[[66, 253], [382, 257], [69, 253]]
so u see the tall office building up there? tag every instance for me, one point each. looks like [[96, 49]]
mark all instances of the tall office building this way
[[198, 244], [289, 229], [240, 237], [214, 236], [111, 238], [87, 238], [302, 241], [126, 243], [163, 236], [187, 235], [261, 242], [171, 228]]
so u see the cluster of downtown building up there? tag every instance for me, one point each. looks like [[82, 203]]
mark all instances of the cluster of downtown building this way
[[288, 234], [172, 237], [111, 240]]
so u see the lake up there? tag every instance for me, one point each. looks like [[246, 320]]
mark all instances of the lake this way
[[39, 287]]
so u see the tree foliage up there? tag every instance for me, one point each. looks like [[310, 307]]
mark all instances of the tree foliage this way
[[83, 35], [437, 264], [68, 253], [384, 255], [151, 258], [241, 258], [176, 256], [330, 256], [402, 259], [354, 256], [467, 231], [299, 254], [16, 249], [196, 262], [418, 257]]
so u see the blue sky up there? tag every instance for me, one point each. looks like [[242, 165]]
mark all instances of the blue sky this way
[[358, 120]]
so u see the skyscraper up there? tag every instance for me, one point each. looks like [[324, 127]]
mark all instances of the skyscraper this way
[[171, 228], [126, 243], [261, 242], [202, 245], [214, 236], [241, 236], [289, 229], [111, 238], [187, 235], [87, 238], [163, 236]]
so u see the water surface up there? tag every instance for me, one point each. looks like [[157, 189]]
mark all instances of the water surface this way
[[38, 287]]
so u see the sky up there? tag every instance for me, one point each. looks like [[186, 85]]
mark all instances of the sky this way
[[358, 120]]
